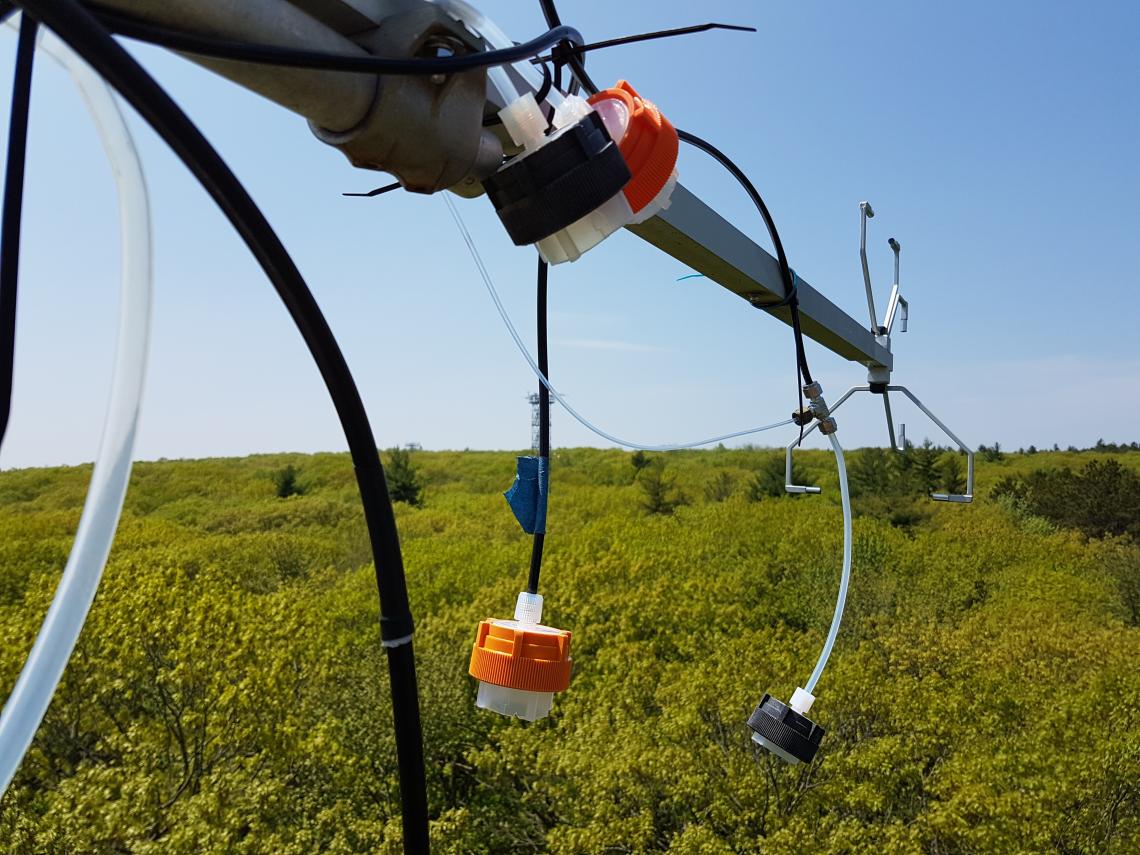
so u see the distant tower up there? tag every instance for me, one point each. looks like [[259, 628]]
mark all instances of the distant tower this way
[[534, 421]]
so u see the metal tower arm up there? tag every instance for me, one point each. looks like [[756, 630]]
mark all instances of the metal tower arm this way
[[695, 234]]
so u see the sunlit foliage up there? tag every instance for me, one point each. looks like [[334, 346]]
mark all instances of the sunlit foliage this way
[[229, 693]]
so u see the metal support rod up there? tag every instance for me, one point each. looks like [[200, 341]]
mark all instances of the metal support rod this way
[[899, 444], [696, 235], [968, 496]]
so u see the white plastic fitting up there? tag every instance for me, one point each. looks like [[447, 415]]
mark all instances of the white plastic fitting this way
[[519, 703], [801, 700], [528, 608], [583, 235], [524, 122]]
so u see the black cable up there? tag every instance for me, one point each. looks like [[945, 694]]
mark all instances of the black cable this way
[[543, 415], [803, 373], [143, 31], [83, 33], [13, 213], [577, 64]]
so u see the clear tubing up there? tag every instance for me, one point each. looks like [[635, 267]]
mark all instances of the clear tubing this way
[[841, 601], [498, 77], [554, 392], [29, 700]]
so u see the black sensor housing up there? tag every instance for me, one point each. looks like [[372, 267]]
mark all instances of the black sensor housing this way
[[778, 728], [548, 189]]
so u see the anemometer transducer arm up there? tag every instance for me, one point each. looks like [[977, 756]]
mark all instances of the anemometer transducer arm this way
[[879, 377]]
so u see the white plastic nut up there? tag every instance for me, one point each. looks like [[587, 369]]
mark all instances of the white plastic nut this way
[[524, 121], [528, 608], [801, 700]]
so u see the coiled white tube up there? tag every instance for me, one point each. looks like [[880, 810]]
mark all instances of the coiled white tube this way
[[486, 276], [29, 700], [841, 601]]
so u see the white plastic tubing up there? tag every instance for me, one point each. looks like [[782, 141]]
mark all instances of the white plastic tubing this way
[[25, 709], [837, 618], [486, 276]]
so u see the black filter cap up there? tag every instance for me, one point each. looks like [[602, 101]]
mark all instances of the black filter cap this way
[[783, 731], [546, 190]]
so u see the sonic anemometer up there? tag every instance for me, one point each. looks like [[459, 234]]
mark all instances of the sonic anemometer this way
[[436, 94]]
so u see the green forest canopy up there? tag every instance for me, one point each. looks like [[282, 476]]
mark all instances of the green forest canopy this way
[[229, 692]]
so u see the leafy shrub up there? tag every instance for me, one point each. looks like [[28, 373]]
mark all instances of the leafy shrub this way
[[719, 487]]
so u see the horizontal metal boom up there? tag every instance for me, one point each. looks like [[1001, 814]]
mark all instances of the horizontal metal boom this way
[[695, 234]]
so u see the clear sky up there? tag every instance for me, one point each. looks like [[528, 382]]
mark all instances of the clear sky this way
[[996, 141]]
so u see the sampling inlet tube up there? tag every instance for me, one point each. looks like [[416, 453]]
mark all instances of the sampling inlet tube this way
[[845, 578], [41, 674]]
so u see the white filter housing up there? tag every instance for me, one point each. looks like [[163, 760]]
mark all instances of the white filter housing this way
[[529, 706]]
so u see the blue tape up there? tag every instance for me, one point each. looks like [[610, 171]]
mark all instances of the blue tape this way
[[527, 496]]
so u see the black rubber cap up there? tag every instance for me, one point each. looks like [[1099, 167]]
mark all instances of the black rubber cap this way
[[785, 728], [548, 189], [878, 388]]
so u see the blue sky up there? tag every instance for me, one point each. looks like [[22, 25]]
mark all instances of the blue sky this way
[[996, 141]]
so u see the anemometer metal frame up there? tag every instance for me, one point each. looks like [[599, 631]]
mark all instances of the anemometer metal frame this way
[[879, 376]]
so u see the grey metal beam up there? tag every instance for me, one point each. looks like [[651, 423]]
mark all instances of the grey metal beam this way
[[696, 235], [334, 100]]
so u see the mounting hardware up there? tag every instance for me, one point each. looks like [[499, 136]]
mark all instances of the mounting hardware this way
[[828, 426], [899, 446], [813, 390], [803, 416], [784, 730]]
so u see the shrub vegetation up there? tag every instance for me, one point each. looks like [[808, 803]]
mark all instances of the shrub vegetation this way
[[229, 693]]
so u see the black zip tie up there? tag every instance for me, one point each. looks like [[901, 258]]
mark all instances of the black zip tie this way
[[562, 52], [377, 192], [787, 299]]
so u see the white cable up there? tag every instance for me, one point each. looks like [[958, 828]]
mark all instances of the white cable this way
[[841, 601], [542, 378], [40, 676]]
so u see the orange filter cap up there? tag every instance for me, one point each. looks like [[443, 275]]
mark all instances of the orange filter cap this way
[[529, 657], [649, 144]]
